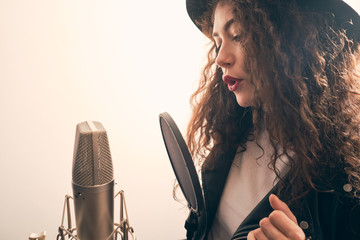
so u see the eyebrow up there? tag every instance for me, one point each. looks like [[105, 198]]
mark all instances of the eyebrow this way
[[226, 27]]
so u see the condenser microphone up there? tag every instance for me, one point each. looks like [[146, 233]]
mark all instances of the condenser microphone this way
[[93, 182]]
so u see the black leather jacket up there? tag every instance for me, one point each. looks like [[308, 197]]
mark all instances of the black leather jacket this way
[[331, 215]]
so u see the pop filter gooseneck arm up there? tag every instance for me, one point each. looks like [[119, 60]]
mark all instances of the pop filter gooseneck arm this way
[[184, 169]]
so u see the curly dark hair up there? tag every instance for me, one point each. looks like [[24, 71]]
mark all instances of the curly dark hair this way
[[305, 71]]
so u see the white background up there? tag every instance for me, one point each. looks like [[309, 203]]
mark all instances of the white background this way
[[120, 62]]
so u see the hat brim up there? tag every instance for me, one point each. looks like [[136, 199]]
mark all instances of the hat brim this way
[[345, 16]]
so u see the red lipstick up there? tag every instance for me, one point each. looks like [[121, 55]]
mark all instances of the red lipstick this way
[[233, 83]]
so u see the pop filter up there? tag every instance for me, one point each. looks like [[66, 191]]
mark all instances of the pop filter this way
[[182, 163]]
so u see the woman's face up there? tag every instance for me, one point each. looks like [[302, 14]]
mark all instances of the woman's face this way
[[231, 55]]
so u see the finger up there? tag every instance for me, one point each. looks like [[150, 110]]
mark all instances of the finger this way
[[257, 234], [270, 231], [285, 225], [277, 204], [251, 236], [260, 235]]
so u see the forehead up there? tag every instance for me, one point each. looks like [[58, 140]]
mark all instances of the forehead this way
[[223, 16]]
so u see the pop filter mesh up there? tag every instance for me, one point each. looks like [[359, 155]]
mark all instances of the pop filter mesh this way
[[178, 162], [181, 162], [92, 164]]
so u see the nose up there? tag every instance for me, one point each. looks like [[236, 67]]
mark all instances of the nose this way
[[225, 57]]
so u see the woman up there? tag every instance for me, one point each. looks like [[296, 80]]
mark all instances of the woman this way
[[276, 116]]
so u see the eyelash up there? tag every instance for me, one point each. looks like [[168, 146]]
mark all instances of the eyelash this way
[[237, 38], [217, 49]]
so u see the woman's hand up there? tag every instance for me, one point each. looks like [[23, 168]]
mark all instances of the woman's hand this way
[[281, 224]]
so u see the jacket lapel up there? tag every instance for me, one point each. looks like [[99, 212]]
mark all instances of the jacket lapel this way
[[213, 182]]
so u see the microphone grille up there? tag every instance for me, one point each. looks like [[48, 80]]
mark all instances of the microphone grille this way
[[92, 163]]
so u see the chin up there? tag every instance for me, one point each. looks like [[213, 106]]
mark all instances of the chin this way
[[245, 99], [244, 102], [244, 105]]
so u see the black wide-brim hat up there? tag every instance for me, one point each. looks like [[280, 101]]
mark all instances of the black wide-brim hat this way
[[345, 16]]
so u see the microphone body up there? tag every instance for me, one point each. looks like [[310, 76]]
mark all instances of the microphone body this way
[[93, 182], [94, 211]]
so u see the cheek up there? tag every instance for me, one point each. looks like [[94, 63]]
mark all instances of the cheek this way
[[240, 60], [239, 51]]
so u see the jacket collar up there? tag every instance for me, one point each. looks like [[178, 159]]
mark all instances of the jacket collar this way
[[213, 183]]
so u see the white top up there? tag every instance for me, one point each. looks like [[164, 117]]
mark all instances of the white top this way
[[249, 180]]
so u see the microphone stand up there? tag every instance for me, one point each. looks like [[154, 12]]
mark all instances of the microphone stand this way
[[123, 228], [69, 231]]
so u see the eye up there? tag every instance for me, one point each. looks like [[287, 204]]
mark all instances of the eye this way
[[237, 38]]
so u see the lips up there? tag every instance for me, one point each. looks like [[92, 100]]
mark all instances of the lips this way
[[233, 83]]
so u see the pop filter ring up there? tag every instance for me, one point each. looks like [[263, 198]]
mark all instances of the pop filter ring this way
[[174, 141]]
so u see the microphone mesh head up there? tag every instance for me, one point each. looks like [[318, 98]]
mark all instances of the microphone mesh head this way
[[92, 163]]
